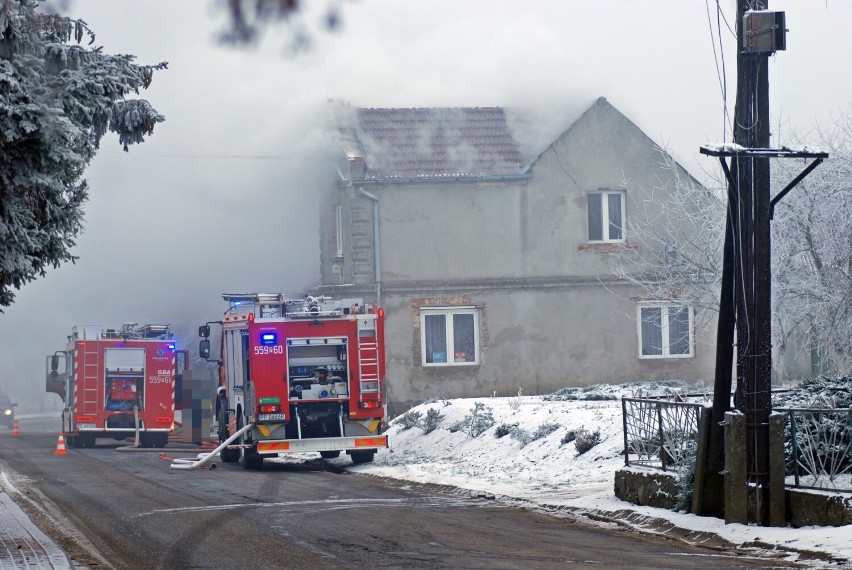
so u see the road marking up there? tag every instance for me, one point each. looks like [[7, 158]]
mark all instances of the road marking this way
[[329, 504]]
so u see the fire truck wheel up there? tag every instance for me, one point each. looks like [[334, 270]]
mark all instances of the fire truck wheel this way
[[71, 441], [329, 454], [252, 459], [229, 455], [85, 440], [359, 457]]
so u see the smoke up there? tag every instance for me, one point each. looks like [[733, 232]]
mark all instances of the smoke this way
[[225, 195]]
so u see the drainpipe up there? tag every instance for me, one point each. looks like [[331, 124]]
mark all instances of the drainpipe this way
[[378, 244]]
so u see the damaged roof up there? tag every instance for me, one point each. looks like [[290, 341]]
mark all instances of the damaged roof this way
[[436, 143]]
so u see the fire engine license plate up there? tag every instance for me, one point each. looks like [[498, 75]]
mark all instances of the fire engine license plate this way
[[85, 426], [271, 417]]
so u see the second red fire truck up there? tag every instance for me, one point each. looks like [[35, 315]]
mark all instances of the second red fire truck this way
[[305, 375], [116, 383]]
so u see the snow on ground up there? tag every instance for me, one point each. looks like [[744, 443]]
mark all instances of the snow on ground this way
[[548, 472]]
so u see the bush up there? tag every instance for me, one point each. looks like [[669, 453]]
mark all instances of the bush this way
[[569, 436], [473, 424], [544, 430], [823, 440], [504, 429], [515, 403], [409, 419], [431, 421], [686, 482], [521, 436], [586, 440], [428, 423]]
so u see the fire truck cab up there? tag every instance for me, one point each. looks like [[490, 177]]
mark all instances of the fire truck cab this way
[[116, 382], [306, 374]]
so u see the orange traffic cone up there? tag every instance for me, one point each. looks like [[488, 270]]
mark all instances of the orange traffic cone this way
[[60, 446], [15, 431]]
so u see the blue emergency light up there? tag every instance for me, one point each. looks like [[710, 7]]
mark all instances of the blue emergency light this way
[[171, 346], [269, 339]]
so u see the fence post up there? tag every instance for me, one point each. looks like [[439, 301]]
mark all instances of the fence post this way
[[777, 493], [624, 429], [849, 425], [660, 432], [795, 445], [736, 490], [699, 474]]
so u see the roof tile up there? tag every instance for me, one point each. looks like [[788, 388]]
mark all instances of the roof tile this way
[[437, 143]]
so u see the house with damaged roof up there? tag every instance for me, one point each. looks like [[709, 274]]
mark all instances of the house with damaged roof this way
[[493, 270]]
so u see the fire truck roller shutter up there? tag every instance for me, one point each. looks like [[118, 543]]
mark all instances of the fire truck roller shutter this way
[[125, 378]]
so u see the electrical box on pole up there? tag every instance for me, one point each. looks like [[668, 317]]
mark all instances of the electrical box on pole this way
[[764, 32]]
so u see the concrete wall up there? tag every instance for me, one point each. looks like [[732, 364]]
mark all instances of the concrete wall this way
[[538, 338], [805, 507], [659, 489]]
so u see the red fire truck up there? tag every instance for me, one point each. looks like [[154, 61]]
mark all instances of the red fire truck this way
[[115, 382], [305, 375]]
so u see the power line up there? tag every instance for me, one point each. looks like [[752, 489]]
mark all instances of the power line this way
[[204, 156]]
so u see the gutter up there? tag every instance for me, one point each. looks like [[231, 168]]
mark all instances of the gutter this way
[[377, 241], [439, 179]]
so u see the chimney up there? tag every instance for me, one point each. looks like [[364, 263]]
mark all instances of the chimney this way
[[357, 168]]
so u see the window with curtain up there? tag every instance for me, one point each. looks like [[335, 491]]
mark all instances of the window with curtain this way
[[665, 331], [449, 337]]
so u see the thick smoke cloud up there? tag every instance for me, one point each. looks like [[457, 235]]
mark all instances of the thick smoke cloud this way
[[224, 195]]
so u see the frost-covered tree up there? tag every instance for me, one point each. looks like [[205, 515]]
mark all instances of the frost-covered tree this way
[[247, 20], [812, 252], [680, 230], [57, 100]]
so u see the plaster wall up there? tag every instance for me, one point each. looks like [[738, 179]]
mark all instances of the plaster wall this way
[[541, 339], [452, 231]]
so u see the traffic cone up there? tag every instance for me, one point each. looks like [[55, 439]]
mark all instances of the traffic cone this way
[[60, 446], [15, 431]]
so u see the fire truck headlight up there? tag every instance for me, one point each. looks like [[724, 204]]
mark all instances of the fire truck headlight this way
[[7, 412]]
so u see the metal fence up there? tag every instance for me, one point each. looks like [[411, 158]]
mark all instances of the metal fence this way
[[818, 448], [663, 434], [660, 433]]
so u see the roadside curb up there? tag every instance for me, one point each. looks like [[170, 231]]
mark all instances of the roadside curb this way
[[24, 544], [662, 527], [656, 526]]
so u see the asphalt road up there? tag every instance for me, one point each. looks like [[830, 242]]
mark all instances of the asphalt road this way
[[109, 508]]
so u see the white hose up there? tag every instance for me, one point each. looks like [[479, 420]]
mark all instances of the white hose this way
[[207, 457], [136, 421]]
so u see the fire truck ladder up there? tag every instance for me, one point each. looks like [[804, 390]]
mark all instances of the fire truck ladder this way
[[89, 376], [368, 357]]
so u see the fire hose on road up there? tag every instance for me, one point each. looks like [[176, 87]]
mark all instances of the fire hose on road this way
[[204, 458]]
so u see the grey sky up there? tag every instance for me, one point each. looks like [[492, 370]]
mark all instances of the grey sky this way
[[184, 217]]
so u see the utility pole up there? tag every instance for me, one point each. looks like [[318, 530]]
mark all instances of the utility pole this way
[[745, 302], [754, 318]]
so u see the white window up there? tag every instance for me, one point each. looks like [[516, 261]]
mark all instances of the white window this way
[[449, 336], [665, 331], [606, 216]]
